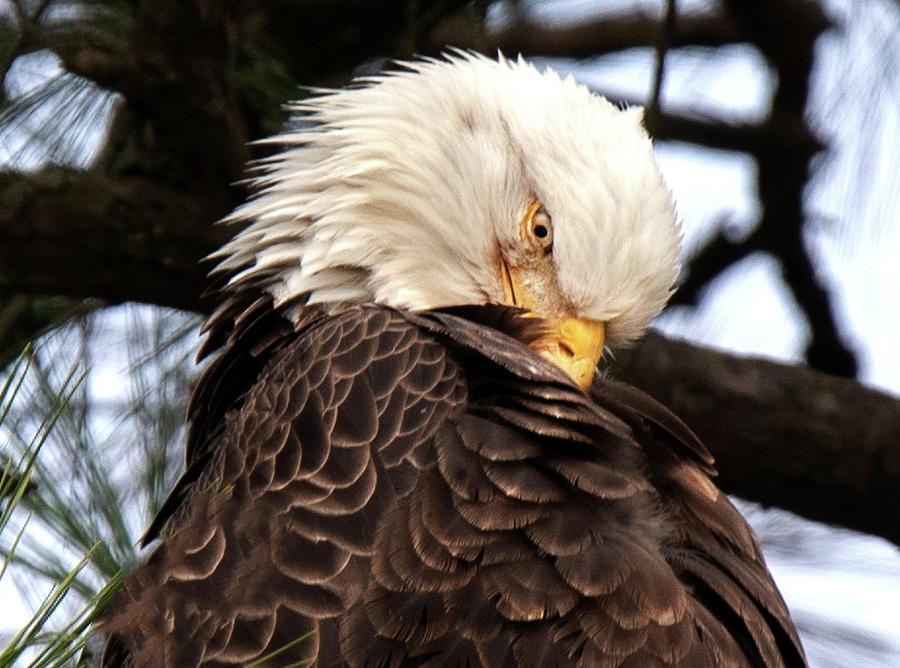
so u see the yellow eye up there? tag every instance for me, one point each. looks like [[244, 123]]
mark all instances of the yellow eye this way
[[542, 229], [536, 228]]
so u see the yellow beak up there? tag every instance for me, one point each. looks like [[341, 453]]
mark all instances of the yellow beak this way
[[575, 345]]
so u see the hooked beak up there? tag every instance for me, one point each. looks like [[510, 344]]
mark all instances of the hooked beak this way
[[573, 344]]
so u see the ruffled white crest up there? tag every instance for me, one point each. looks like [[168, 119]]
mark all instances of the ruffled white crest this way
[[404, 190]]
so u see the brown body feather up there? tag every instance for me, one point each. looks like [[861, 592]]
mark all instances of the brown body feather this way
[[382, 488]]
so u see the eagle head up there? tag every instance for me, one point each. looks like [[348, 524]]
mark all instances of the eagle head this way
[[467, 180]]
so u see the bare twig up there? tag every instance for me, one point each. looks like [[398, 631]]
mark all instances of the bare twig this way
[[666, 36], [21, 12]]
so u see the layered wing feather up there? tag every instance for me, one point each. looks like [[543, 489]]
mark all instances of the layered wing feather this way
[[399, 489], [276, 532]]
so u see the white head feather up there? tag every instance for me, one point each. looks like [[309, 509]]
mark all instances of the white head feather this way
[[405, 189]]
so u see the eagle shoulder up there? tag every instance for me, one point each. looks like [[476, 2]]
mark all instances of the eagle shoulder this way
[[275, 529]]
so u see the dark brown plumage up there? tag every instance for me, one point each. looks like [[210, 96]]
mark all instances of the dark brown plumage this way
[[398, 488]]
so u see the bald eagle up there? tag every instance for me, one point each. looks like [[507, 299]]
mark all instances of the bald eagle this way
[[404, 454]]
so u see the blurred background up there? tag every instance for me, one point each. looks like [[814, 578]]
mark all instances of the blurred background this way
[[124, 133]]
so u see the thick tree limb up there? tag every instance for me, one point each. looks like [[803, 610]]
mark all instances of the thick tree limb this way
[[83, 234], [785, 435]]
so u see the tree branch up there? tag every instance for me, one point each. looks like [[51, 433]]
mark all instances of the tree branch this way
[[83, 234], [716, 255], [784, 435], [786, 32], [586, 39]]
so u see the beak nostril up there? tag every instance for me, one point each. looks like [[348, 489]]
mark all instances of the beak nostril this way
[[574, 345]]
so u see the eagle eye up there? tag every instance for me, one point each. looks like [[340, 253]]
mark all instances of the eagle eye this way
[[536, 228], [542, 229]]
